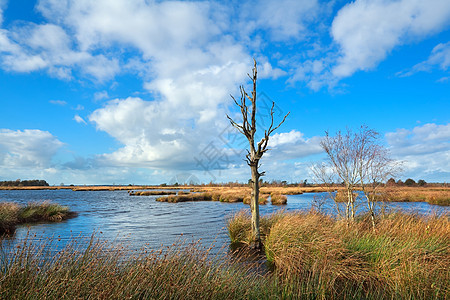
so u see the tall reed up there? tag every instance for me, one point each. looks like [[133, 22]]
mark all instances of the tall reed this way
[[406, 257]]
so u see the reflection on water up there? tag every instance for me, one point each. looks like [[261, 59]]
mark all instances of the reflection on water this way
[[141, 221]]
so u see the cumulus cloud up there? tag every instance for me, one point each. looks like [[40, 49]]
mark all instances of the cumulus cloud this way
[[367, 30], [292, 145], [283, 19], [27, 148], [154, 133], [48, 47], [425, 150]]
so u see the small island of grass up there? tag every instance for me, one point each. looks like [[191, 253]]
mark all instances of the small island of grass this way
[[13, 214]]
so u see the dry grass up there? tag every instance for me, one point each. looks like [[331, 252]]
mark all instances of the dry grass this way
[[151, 193], [408, 256], [239, 226], [11, 214], [229, 196], [436, 196], [184, 198], [278, 199], [104, 271]]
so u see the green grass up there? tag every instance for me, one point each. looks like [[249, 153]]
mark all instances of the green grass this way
[[12, 214]]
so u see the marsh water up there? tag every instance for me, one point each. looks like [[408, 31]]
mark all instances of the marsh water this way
[[141, 221]]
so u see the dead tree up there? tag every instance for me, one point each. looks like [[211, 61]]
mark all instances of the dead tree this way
[[254, 155]]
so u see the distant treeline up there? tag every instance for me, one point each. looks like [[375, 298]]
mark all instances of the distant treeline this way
[[19, 182]]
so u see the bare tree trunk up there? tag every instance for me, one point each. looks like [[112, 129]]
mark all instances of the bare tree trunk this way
[[254, 206], [248, 128], [372, 216]]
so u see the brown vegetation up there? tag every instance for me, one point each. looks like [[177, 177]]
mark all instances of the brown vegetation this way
[[407, 256], [436, 196], [278, 199], [151, 193], [12, 214]]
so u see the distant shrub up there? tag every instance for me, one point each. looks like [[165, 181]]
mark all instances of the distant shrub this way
[[410, 182]]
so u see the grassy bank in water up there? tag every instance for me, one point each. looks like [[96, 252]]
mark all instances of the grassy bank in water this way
[[12, 214], [435, 196], [151, 193], [407, 257], [229, 197], [278, 199]]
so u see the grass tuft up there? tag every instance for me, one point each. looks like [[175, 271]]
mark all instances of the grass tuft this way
[[11, 214], [278, 199]]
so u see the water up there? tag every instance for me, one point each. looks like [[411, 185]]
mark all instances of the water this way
[[140, 221]]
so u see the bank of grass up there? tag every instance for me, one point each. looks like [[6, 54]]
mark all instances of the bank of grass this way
[[12, 214], [435, 196], [151, 193], [229, 196], [406, 257]]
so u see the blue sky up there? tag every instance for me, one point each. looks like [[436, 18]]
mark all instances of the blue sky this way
[[134, 91]]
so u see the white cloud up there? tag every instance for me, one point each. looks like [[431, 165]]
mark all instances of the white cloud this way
[[48, 47], [292, 145], [283, 19], [58, 102], [27, 148], [439, 57], [154, 133], [367, 30], [101, 95], [2, 7], [79, 119], [425, 150], [286, 138]]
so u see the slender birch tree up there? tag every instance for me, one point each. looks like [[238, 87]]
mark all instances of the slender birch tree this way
[[360, 163], [257, 150]]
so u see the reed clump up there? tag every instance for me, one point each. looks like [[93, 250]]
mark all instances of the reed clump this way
[[12, 214], [278, 199], [239, 226], [185, 198], [263, 198], [228, 196], [407, 256]]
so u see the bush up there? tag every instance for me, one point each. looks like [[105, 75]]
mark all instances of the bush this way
[[410, 182]]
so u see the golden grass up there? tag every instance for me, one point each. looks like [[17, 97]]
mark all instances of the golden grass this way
[[436, 196], [278, 199], [407, 256], [104, 271], [151, 193]]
